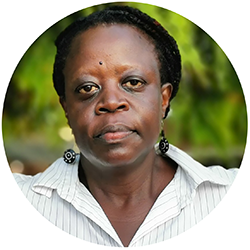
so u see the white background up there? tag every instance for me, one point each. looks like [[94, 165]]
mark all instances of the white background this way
[[227, 22]]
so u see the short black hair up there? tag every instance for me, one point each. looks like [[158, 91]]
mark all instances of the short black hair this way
[[165, 45]]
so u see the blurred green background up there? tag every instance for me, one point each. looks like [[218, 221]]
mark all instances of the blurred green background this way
[[208, 117]]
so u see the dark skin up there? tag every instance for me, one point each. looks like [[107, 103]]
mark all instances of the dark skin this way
[[114, 103]]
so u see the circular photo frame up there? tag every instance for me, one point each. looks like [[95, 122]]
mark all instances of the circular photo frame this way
[[207, 118]]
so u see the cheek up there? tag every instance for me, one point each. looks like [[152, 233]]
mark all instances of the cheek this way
[[154, 102], [152, 113], [81, 129], [79, 119]]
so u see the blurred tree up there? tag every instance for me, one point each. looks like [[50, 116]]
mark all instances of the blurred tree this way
[[208, 117]]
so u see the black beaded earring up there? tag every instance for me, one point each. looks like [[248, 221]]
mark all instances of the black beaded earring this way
[[69, 156], [163, 145]]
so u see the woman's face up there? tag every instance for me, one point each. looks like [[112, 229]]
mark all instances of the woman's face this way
[[114, 101]]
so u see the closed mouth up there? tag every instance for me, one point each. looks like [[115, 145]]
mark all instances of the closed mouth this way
[[114, 132]]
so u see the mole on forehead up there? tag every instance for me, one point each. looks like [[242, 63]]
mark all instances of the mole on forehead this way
[[100, 62]]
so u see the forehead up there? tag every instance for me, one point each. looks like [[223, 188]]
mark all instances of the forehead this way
[[112, 38], [120, 47]]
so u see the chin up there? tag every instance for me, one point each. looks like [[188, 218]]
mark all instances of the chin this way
[[117, 154], [117, 160], [112, 158]]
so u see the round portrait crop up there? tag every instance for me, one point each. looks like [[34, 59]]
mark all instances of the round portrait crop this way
[[122, 132]]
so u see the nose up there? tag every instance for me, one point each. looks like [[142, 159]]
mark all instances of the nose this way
[[111, 101]]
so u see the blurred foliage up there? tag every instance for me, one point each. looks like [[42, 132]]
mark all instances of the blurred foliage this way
[[208, 117]]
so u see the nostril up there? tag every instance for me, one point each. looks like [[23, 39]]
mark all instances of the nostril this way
[[122, 107], [103, 110], [112, 110]]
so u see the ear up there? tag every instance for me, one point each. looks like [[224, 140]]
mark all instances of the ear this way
[[166, 91], [64, 106]]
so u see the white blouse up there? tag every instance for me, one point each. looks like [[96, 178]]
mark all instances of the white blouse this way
[[192, 194]]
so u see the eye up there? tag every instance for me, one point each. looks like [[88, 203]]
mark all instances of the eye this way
[[88, 88], [133, 84]]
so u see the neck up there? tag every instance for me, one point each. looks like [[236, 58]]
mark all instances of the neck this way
[[123, 182]]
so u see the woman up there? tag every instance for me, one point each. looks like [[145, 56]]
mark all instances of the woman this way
[[116, 72]]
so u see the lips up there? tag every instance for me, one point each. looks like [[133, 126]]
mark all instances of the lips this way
[[114, 133]]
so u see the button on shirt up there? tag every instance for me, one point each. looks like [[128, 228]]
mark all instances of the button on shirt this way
[[192, 194]]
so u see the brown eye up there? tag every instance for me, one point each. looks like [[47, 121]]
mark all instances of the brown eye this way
[[87, 89], [133, 84]]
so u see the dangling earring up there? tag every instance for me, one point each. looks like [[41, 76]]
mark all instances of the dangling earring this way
[[163, 145], [69, 156]]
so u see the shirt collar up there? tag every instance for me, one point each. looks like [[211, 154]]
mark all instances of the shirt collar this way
[[64, 177], [60, 176], [195, 170]]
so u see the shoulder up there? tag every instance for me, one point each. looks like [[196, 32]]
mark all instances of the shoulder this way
[[23, 180], [58, 176], [198, 173], [227, 174], [27, 182]]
